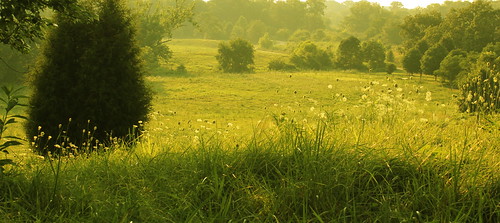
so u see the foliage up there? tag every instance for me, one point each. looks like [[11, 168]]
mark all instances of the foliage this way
[[9, 101], [280, 65], [390, 68], [235, 56], [156, 22], [22, 21], [13, 64], [349, 55], [308, 56], [374, 54], [90, 73], [411, 61], [300, 36], [481, 90], [265, 42], [432, 58], [454, 65], [414, 27], [389, 57]]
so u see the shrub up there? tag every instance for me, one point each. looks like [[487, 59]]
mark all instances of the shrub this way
[[308, 56], [89, 72], [265, 42], [481, 91], [300, 35], [235, 56], [390, 68], [280, 65]]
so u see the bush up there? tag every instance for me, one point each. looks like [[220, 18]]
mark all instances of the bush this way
[[280, 65], [481, 91], [235, 56], [390, 68], [308, 56], [300, 35], [432, 58], [89, 72], [265, 42]]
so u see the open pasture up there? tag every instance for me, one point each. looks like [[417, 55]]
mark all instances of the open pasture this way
[[277, 147]]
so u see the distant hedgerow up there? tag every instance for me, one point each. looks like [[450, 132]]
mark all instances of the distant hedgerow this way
[[89, 72]]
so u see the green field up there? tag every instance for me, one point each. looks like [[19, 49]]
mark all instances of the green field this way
[[328, 146]]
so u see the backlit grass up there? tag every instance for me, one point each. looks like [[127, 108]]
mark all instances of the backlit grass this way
[[276, 147]]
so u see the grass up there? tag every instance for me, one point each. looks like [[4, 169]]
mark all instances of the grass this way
[[276, 147]]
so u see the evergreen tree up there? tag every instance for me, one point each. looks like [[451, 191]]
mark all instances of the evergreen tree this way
[[89, 72]]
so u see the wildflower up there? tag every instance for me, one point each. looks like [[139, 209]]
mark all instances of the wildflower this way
[[199, 120], [330, 86], [344, 99], [312, 109], [230, 124], [322, 115], [399, 89], [424, 120], [428, 96], [364, 97]]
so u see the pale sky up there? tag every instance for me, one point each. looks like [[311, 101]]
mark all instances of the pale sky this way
[[409, 4]]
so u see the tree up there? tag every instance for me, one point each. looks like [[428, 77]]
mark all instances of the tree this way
[[432, 58], [235, 56], [265, 42], [453, 66], [411, 61], [90, 72], [156, 23], [374, 54], [349, 54], [22, 21], [414, 27], [308, 56]]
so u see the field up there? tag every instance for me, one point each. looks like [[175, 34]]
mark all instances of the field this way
[[336, 146]]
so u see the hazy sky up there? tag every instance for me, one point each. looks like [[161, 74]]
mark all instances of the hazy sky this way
[[407, 3]]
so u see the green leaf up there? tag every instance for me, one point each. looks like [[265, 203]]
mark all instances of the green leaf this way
[[14, 137], [6, 90], [9, 144], [19, 117], [4, 162], [12, 103]]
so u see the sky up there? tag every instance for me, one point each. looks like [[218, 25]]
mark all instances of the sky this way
[[407, 3]]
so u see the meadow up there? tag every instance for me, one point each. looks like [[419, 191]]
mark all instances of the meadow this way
[[329, 146]]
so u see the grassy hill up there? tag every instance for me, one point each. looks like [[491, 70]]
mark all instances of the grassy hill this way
[[276, 147]]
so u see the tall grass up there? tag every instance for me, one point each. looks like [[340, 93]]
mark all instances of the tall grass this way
[[290, 173]]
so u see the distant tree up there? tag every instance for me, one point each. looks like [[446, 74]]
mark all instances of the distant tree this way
[[414, 27], [349, 54], [235, 56], [390, 68], [265, 42], [240, 28], [156, 22], [374, 55], [255, 30], [366, 19], [300, 36], [432, 58], [411, 61], [308, 56], [452, 66], [89, 72], [389, 56]]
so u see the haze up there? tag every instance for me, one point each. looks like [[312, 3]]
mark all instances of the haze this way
[[408, 3]]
